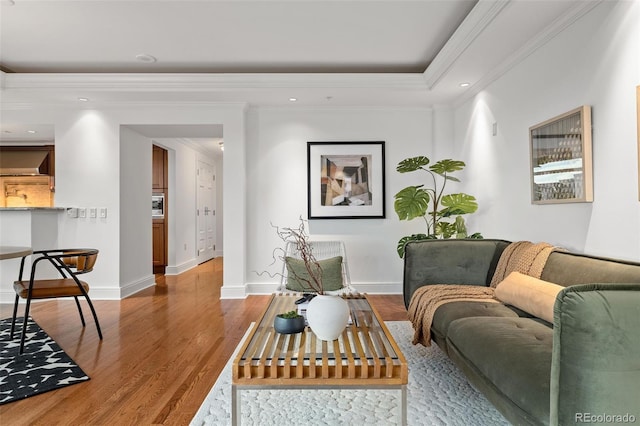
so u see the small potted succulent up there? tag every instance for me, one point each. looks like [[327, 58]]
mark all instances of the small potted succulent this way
[[289, 323]]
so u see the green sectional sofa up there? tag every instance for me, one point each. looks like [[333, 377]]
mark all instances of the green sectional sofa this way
[[582, 368]]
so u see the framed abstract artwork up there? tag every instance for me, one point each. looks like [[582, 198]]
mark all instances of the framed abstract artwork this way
[[345, 180], [561, 162]]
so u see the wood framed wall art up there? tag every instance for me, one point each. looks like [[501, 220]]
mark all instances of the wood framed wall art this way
[[561, 161], [345, 180]]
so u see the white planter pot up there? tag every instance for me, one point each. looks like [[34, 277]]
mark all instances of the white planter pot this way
[[328, 316]]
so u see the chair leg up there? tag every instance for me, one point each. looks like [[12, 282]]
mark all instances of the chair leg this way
[[24, 326], [15, 312], [80, 311], [95, 316]]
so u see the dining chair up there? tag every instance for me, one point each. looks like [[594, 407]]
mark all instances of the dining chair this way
[[69, 263]]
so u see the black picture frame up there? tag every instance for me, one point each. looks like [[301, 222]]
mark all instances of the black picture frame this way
[[346, 180]]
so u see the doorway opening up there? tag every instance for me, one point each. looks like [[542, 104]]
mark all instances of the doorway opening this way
[[159, 211], [189, 200]]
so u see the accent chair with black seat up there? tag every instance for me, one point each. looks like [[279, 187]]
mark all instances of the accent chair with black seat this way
[[69, 263]]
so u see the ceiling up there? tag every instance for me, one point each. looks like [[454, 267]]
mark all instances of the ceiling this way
[[227, 36], [264, 52]]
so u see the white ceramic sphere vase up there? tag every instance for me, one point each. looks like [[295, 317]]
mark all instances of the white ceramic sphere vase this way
[[327, 316]]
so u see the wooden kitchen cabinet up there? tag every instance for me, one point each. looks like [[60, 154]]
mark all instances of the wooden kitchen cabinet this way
[[160, 163], [159, 253]]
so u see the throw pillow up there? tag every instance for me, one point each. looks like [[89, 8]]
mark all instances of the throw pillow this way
[[331, 274], [530, 294]]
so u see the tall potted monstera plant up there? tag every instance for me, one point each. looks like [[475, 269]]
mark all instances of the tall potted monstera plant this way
[[442, 213]]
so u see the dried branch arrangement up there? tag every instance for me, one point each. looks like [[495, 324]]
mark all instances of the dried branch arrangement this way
[[299, 238]]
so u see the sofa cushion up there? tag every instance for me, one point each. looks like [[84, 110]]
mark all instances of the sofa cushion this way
[[530, 294], [512, 354], [452, 311]]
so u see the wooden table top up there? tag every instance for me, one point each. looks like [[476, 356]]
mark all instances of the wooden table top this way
[[11, 252], [365, 353]]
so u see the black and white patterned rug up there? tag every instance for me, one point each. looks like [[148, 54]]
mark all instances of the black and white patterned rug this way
[[42, 367]]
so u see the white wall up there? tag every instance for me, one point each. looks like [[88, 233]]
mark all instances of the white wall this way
[[136, 272], [91, 163], [277, 186], [593, 62], [88, 175]]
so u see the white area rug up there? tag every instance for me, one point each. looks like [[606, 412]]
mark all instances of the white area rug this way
[[437, 394]]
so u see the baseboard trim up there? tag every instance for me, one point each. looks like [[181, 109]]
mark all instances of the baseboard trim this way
[[370, 288], [137, 286], [226, 292], [7, 297], [237, 291], [183, 267]]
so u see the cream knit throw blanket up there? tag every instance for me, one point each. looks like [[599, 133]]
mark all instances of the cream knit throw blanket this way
[[522, 256]]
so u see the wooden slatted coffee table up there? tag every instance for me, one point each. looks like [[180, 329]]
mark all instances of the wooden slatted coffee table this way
[[365, 356]]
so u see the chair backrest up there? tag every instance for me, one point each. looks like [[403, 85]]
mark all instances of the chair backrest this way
[[320, 250], [82, 260]]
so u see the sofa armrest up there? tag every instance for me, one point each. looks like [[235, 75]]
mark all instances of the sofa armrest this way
[[595, 367], [470, 262]]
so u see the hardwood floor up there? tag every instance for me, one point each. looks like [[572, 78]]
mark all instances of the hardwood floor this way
[[162, 351]]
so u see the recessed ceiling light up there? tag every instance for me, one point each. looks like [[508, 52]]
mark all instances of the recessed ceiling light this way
[[144, 57], [31, 131], [83, 99], [465, 84], [293, 99]]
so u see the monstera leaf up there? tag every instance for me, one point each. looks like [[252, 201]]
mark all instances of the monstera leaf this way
[[461, 227], [457, 204], [430, 202], [412, 164], [447, 166], [445, 229], [411, 202]]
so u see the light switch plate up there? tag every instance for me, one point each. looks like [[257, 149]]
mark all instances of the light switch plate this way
[[93, 212], [103, 212], [82, 212]]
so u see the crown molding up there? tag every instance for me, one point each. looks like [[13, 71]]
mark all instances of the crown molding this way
[[346, 108], [473, 25], [560, 24], [211, 82], [114, 105]]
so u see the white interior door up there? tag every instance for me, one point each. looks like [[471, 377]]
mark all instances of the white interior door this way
[[206, 212]]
